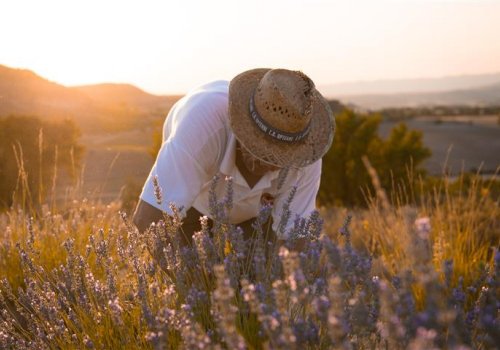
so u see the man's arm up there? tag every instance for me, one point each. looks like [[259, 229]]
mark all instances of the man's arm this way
[[145, 214], [298, 245]]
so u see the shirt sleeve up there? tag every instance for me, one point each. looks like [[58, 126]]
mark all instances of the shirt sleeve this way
[[186, 158], [303, 202], [180, 177]]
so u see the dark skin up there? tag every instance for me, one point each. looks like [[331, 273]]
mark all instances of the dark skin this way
[[252, 169]]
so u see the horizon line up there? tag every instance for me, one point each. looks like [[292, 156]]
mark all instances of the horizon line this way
[[324, 85]]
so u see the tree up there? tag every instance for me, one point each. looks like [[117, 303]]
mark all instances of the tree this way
[[402, 150], [344, 178], [30, 152]]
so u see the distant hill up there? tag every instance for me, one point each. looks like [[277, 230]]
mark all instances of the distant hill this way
[[466, 90], [402, 86], [120, 94], [102, 107], [482, 96], [24, 92]]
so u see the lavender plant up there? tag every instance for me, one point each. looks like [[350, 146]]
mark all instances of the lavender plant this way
[[123, 289]]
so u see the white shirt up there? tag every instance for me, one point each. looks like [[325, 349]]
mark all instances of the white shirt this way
[[198, 143]]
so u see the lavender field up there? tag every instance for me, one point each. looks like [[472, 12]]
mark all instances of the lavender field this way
[[389, 277]]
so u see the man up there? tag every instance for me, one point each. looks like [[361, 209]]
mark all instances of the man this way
[[267, 129]]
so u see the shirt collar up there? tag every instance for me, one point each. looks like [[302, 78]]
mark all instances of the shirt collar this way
[[228, 167]]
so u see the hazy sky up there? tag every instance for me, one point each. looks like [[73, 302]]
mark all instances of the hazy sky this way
[[170, 46]]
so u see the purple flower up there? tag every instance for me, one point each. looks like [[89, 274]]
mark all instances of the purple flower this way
[[285, 213], [448, 272], [344, 230], [157, 190], [321, 306], [423, 227]]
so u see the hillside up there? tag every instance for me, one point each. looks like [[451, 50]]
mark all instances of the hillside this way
[[123, 95], [95, 108], [402, 86], [24, 92], [481, 96]]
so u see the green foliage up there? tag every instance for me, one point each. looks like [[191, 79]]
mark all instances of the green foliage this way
[[402, 148], [31, 151], [345, 178]]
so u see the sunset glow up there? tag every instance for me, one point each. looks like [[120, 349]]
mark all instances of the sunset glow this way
[[170, 46]]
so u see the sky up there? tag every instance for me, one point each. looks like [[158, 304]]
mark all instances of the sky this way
[[171, 46]]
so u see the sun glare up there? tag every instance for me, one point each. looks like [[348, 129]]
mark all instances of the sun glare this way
[[171, 46]]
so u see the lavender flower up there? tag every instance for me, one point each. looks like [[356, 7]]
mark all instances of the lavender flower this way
[[228, 199], [226, 292], [226, 316], [285, 213], [157, 190], [344, 230], [423, 227], [448, 272]]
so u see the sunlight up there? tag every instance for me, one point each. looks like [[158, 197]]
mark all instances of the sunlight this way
[[172, 46]]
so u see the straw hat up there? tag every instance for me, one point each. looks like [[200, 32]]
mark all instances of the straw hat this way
[[279, 117]]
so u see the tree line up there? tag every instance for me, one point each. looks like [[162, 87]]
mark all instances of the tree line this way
[[438, 111]]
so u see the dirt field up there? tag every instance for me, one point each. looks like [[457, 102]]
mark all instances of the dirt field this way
[[112, 160], [466, 143]]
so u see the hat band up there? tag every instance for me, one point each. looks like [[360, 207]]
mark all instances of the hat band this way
[[272, 131]]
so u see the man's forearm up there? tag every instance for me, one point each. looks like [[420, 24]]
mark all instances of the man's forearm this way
[[297, 245], [145, 214]]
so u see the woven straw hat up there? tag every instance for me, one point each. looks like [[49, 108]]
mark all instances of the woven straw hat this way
[[279, 117]]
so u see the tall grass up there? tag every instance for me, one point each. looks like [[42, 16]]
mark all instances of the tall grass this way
[[460, 218], [388, 277]]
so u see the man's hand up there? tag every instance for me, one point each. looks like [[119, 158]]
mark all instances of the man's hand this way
[[298, 245], [145, 214]]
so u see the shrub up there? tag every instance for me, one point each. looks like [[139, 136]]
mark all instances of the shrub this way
[[345, 180]]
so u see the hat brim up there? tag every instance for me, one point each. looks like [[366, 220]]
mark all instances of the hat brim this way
[[272, 151]]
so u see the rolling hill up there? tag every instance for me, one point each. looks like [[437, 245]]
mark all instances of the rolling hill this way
[[482, 96], [401, 86], [95, 108], [465, 90]]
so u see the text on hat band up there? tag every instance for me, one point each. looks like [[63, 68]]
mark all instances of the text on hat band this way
[[273, 132]]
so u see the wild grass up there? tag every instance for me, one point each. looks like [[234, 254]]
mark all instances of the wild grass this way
[[460, 218], [392, 277]]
